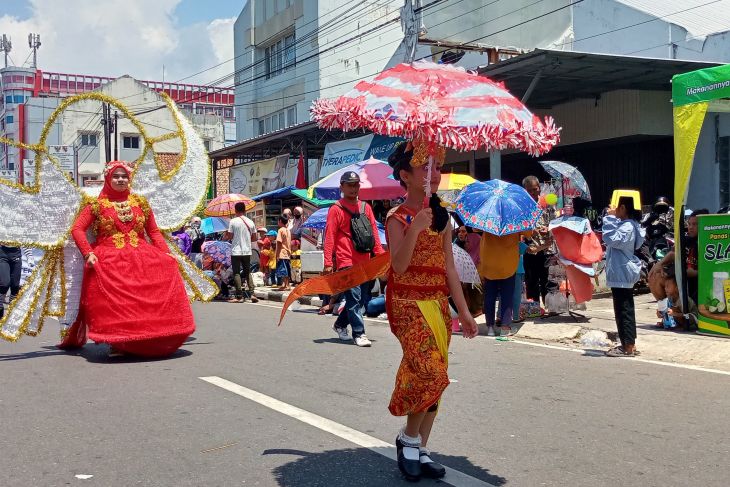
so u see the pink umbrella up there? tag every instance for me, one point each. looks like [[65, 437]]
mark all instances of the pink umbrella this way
[[442, 104], [376, 182]]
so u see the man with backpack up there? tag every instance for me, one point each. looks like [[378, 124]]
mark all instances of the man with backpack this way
[[351, 238]]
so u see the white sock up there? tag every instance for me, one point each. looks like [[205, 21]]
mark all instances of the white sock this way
[[410, 450], [425, 455]]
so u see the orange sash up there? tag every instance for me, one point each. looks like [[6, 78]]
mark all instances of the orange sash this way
[[339, 281]]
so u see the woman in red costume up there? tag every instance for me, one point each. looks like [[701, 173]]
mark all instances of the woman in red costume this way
[[133, 296]]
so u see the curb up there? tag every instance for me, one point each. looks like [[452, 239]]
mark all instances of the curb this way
[[280, 297]]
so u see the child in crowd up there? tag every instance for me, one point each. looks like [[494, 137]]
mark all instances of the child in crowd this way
[[296, 262], [420, 280], [267, 261], [622, 236]]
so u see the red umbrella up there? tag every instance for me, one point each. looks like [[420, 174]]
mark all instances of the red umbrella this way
[[224, 205], [440, 103]]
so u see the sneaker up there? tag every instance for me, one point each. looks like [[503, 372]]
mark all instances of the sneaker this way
[[490, 331], [342, 333], [505, 332], [362, 341]]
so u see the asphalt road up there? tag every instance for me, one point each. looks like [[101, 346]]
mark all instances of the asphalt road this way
[[517, 414]]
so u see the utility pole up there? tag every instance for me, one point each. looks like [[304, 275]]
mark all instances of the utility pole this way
[[106, 123], [34, 42], [116, 135], [6, 46], [408, 23]]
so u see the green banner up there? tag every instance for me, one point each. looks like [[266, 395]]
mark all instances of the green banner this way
[[713, 282], [702, 85]]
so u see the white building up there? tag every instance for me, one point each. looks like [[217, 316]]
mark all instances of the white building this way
[[287, 55]]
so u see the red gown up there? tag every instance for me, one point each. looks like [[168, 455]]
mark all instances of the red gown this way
[[133, 298]]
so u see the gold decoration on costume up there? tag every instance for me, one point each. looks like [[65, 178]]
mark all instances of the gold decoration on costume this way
[[118, 239], [46, 292], [124, 211], [423, 149]]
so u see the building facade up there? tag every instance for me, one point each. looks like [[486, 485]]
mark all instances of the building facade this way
[[290, 52], [29, 96]]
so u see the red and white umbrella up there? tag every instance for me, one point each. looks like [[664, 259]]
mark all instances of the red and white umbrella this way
[[440, 103]]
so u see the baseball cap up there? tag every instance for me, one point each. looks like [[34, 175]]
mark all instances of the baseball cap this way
[[349, 177]]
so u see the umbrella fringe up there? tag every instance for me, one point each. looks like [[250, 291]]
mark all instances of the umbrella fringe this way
[[535, 138]]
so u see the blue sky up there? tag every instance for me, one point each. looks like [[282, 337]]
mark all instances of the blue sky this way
[[188, 11], [118, 37]]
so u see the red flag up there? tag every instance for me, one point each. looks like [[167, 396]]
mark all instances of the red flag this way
[[301, 180]]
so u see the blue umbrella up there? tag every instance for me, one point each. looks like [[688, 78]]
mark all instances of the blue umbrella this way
[[214, 224], [318, 220], [571, 175], [497, 207]]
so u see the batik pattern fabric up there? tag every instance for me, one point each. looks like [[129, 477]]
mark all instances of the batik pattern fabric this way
[[418, 312]]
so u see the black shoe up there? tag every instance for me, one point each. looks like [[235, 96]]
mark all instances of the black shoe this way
[[411, 469], [431, 470]]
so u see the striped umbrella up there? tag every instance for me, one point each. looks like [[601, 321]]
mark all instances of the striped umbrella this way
[[224, 205], [440, 103]]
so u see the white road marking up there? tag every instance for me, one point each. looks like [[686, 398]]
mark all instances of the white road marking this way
[[453, 477], [569, 349]]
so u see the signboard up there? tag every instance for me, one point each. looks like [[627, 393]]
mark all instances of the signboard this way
[[382, 147], [260, 177], [713, 281], [64, 155], [340, 154], [28, 171], [9, 175]]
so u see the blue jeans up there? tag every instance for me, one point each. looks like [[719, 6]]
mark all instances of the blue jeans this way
[[376, 306], [505, 289], [355, 301], [517, 300]]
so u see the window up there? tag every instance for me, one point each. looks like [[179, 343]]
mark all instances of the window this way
[[9, 119], [277, 121], [88, 140], [723, 159], [130, 142], [206, 143], [18, 99], [8, 98], [280, 56]]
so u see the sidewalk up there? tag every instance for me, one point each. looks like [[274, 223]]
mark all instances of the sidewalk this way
[[655, 344]]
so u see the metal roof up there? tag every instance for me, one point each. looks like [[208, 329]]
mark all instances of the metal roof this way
[[563, 75], [699, 18]]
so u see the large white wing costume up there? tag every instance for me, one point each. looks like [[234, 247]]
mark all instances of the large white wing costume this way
[[41, 216]]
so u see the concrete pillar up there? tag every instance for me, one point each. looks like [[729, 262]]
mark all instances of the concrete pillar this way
[[495, 164]]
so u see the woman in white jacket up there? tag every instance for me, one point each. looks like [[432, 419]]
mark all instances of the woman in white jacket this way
[[622, 235]]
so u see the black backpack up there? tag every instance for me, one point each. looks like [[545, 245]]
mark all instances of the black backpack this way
[[361, 229]]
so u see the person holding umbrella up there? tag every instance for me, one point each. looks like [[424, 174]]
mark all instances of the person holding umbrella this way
[[421, 278]]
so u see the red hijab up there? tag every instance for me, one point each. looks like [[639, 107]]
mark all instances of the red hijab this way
[[107, 191]]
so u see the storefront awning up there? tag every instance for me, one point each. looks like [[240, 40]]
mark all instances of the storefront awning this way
[[277, 193], [548, 78]]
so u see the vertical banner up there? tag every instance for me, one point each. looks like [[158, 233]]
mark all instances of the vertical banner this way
[[340, 154], [713, 281], [64, 155]]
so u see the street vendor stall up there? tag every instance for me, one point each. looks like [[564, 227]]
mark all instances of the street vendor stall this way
[[694, 95]]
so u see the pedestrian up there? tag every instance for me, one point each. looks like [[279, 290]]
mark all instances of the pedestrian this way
[[296, 262], [283, 254], [499, 259], [241, 232], [182, 239], [351, 236], [622, 235], [268, 261], [287, 213], [11, 264], [519, 286], [297, 222], [539, 247], [420, 280]]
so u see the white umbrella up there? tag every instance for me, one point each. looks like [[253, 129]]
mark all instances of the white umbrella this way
[[465, 266]]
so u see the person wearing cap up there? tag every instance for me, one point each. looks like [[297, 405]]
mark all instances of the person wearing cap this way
[[339, 247]]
